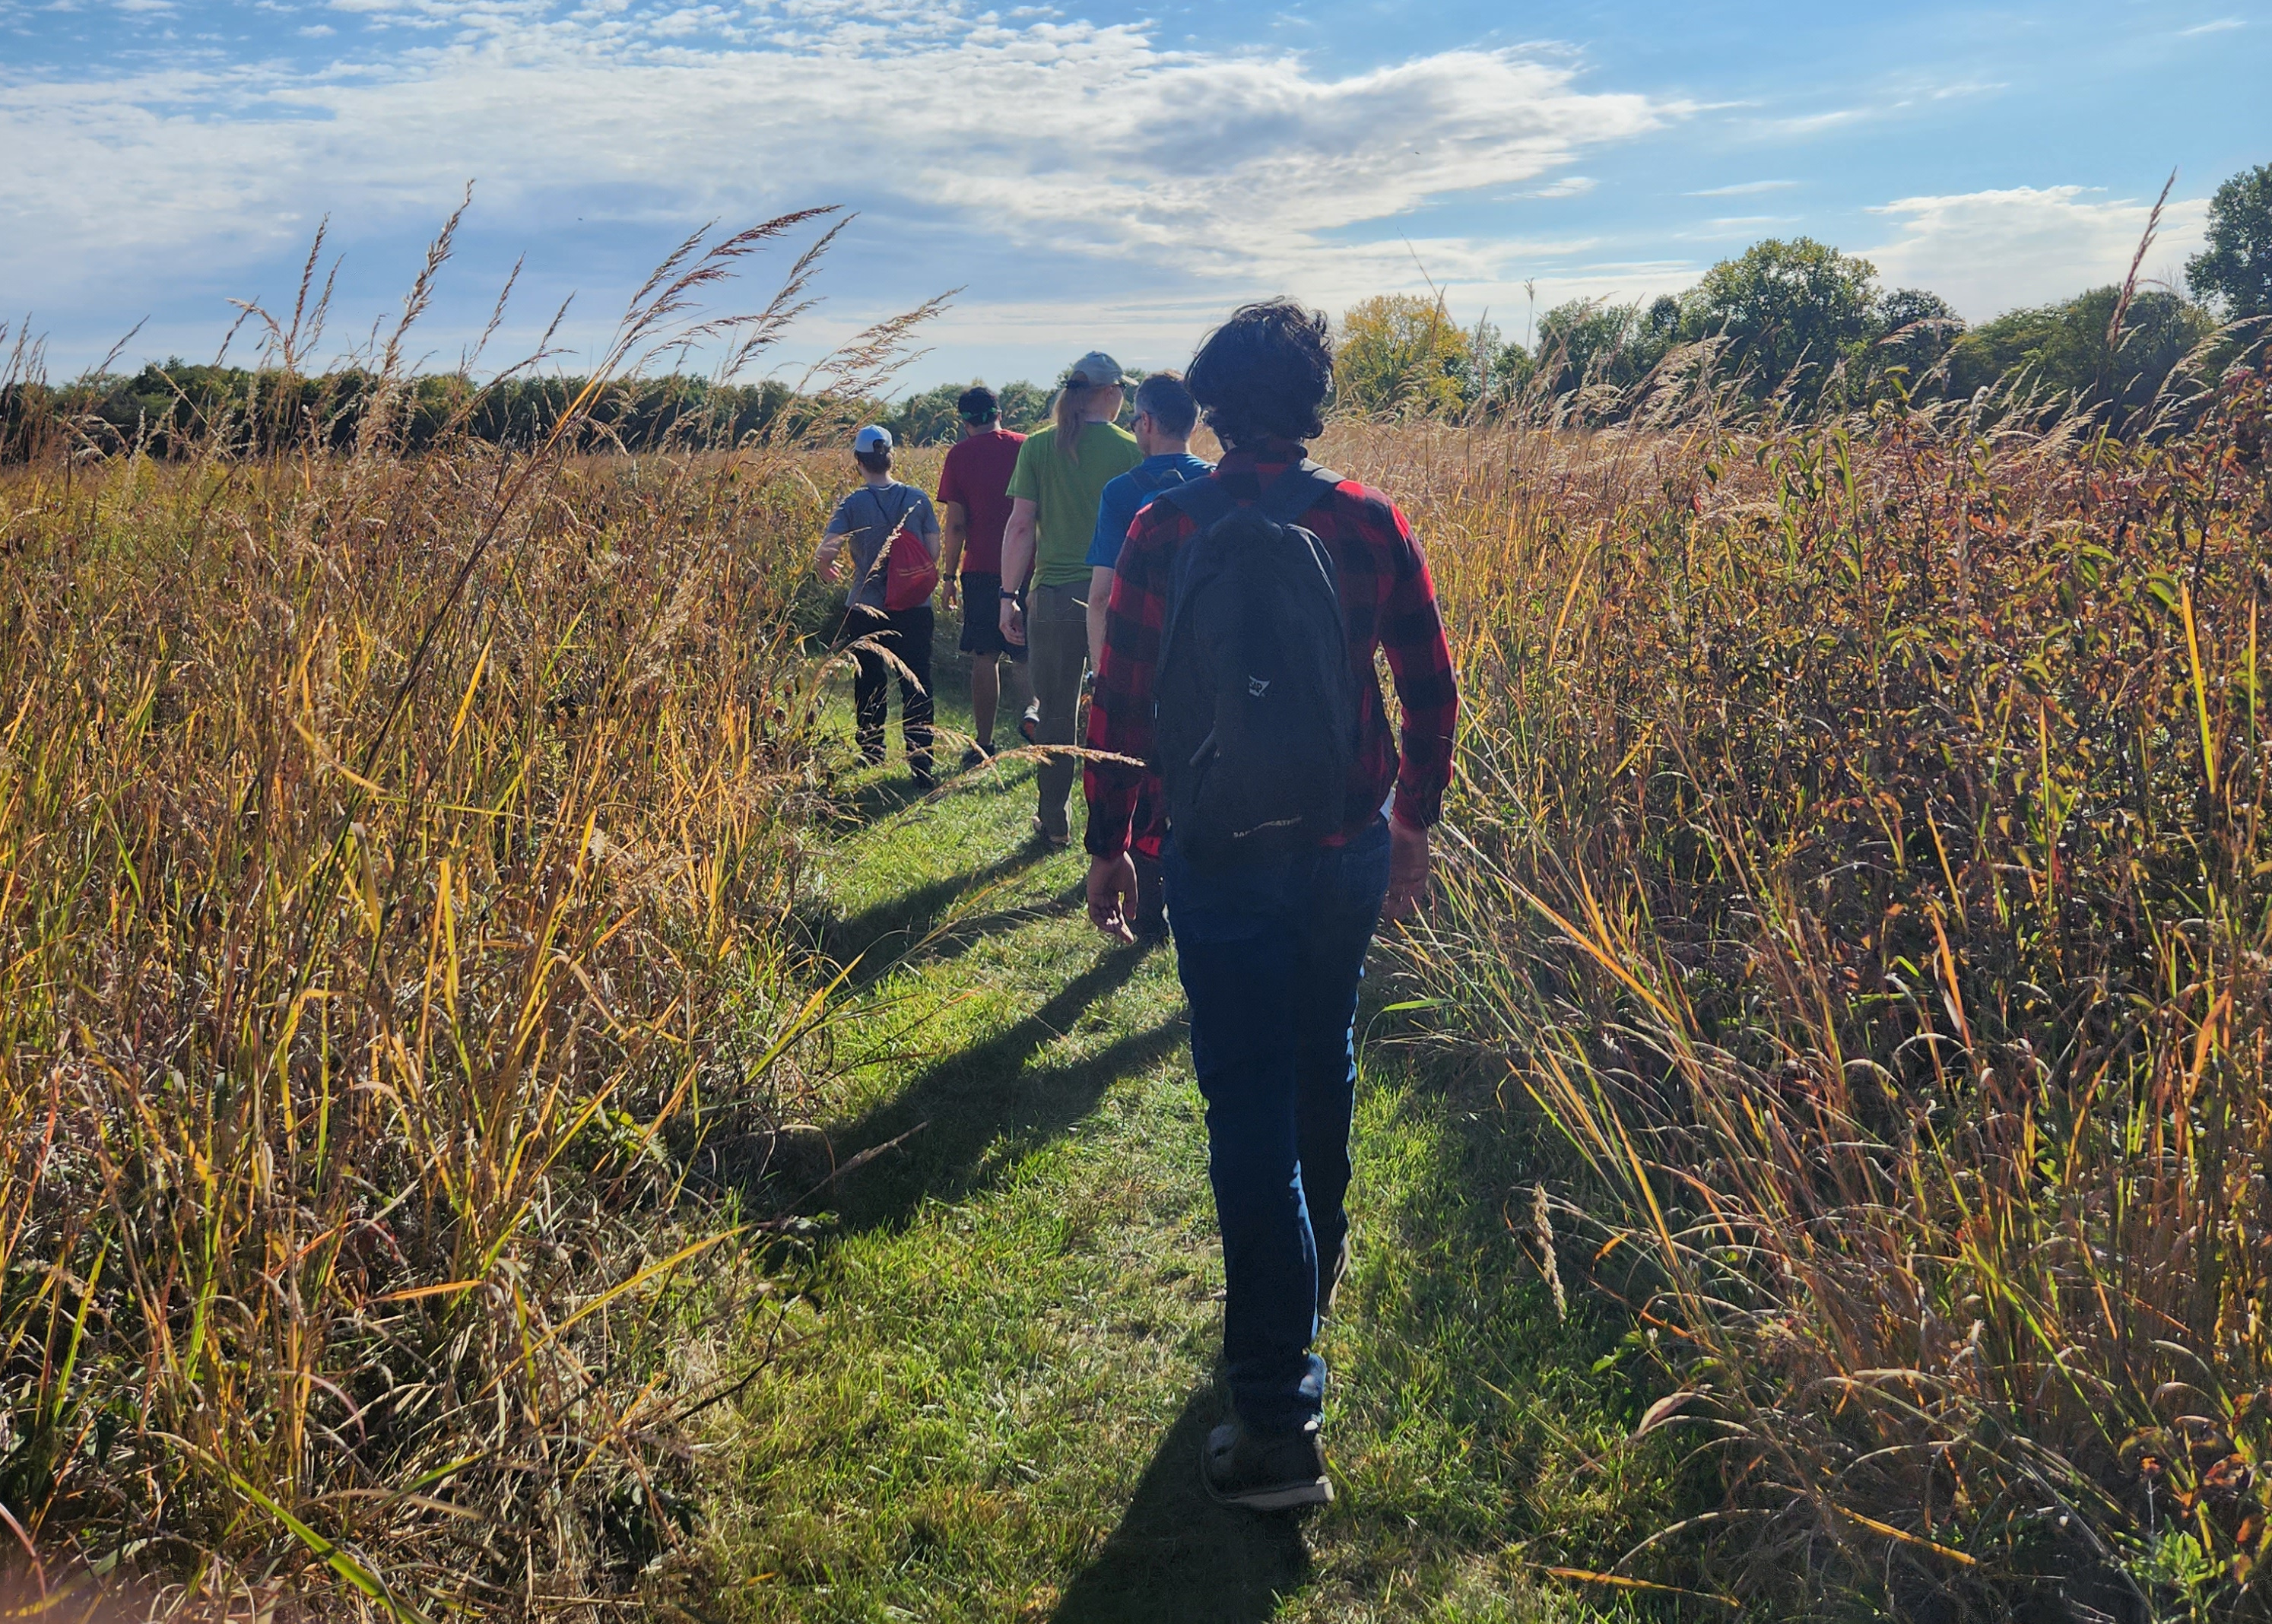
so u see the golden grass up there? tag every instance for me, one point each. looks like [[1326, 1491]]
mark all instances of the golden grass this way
[[1858, 856], [337, 1082], [395, 857], [1855, 854]]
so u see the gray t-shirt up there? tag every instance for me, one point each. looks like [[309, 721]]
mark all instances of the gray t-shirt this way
[[866, 518]]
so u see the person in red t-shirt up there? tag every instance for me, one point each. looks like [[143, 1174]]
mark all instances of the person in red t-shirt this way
[[974, 489]]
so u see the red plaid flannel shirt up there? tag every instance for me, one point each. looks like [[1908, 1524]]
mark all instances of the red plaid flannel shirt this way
[[1390, 604]]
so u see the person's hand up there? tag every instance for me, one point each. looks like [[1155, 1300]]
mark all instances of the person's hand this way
[[946, 591], [829, 559], [1014, 622], [1408, 871], [1112, 895]]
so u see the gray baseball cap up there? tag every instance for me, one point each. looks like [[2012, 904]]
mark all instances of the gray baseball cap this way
[[871, 438], [1098, 370]]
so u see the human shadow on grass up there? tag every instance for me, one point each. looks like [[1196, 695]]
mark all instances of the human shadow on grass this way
[[946, 1131], [893, 789], [1445, 1296], [875, 936], [942, 943], [1177, 1555]]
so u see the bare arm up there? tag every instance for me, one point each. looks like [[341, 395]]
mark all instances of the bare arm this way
[[1018, 538], [1407, 869], [956, 524], [827, 558], [1100, 598]]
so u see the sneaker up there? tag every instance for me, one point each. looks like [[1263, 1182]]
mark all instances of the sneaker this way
[[1265, 1471], [1331, 1285], [926, 779], [977, 755], [1029, 725], [1041, 836]]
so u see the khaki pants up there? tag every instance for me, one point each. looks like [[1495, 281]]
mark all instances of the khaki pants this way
[[1057, 641]]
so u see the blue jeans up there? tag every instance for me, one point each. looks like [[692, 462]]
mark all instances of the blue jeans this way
[[1271, 955]]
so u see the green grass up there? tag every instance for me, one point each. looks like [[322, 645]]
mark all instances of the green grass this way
[[994, 1410]]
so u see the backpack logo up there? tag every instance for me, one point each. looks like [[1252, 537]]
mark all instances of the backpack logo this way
[[1257, 686]]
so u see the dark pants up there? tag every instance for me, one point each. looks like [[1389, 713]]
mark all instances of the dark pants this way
[[1271, 955], [906, 634], [1057, 643]]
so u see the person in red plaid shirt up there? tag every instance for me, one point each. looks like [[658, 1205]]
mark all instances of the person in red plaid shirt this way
[[1271, 953]]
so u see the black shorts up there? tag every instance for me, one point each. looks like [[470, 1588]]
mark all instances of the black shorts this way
[[982, 617]]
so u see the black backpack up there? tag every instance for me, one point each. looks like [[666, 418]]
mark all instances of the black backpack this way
[[1254, 706]]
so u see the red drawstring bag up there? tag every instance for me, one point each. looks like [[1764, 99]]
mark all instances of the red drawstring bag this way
[[910, 574]]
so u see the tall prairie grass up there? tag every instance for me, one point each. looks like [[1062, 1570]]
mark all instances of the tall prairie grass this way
[[1855, 854], [1859, 856], [395, 854]]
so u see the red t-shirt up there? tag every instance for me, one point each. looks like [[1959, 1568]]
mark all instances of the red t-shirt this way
[[977, 475]]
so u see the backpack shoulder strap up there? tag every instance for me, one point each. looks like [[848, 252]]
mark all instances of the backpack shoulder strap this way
[[886, 522], [1161, 479], [1203, 501], [1298, 490]]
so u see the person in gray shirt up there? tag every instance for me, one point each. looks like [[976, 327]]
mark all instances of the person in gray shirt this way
[[864, 521]]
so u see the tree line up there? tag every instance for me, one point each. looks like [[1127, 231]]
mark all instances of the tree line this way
[[170, 410], [1800, 322], [1795, 324]]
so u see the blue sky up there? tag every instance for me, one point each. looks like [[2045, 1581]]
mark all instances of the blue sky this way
[[1092, 174]]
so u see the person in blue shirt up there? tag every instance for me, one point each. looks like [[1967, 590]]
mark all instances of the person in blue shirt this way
[[1165, 413]]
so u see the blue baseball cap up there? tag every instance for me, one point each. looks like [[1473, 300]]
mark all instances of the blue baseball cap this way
[[871, 438]]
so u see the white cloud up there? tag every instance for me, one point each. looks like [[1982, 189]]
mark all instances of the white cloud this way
[[1734, 227], [1741, 189], [1025, 133], [1567, 186], [1990, 251], [1002, 340], [1815, 123], [1969, 87], [2221, 26]]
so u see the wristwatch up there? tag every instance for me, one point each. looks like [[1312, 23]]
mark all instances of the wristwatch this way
[[1009, 596]]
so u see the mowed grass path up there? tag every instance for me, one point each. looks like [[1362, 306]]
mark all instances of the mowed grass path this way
[[995, 1412]]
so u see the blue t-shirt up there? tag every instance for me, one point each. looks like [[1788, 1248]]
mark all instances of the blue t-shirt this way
[[1125, 497]]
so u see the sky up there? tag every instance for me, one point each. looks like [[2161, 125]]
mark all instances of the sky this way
[[1094, 173]]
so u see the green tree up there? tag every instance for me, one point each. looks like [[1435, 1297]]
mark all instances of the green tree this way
[[1587, 342], [1788, 309], [928, 418], [1918, 328], [2062, 348], [1399, 353], [1513, 370], [1024, 405], [2235, 271]]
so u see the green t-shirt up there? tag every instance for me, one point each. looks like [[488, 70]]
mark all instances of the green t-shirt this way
[[1067, 493]]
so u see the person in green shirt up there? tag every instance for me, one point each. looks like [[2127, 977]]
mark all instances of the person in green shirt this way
[[1060, 477]]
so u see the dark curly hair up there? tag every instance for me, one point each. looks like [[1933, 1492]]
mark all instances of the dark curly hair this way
[[1266, 372], [977, 404]]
